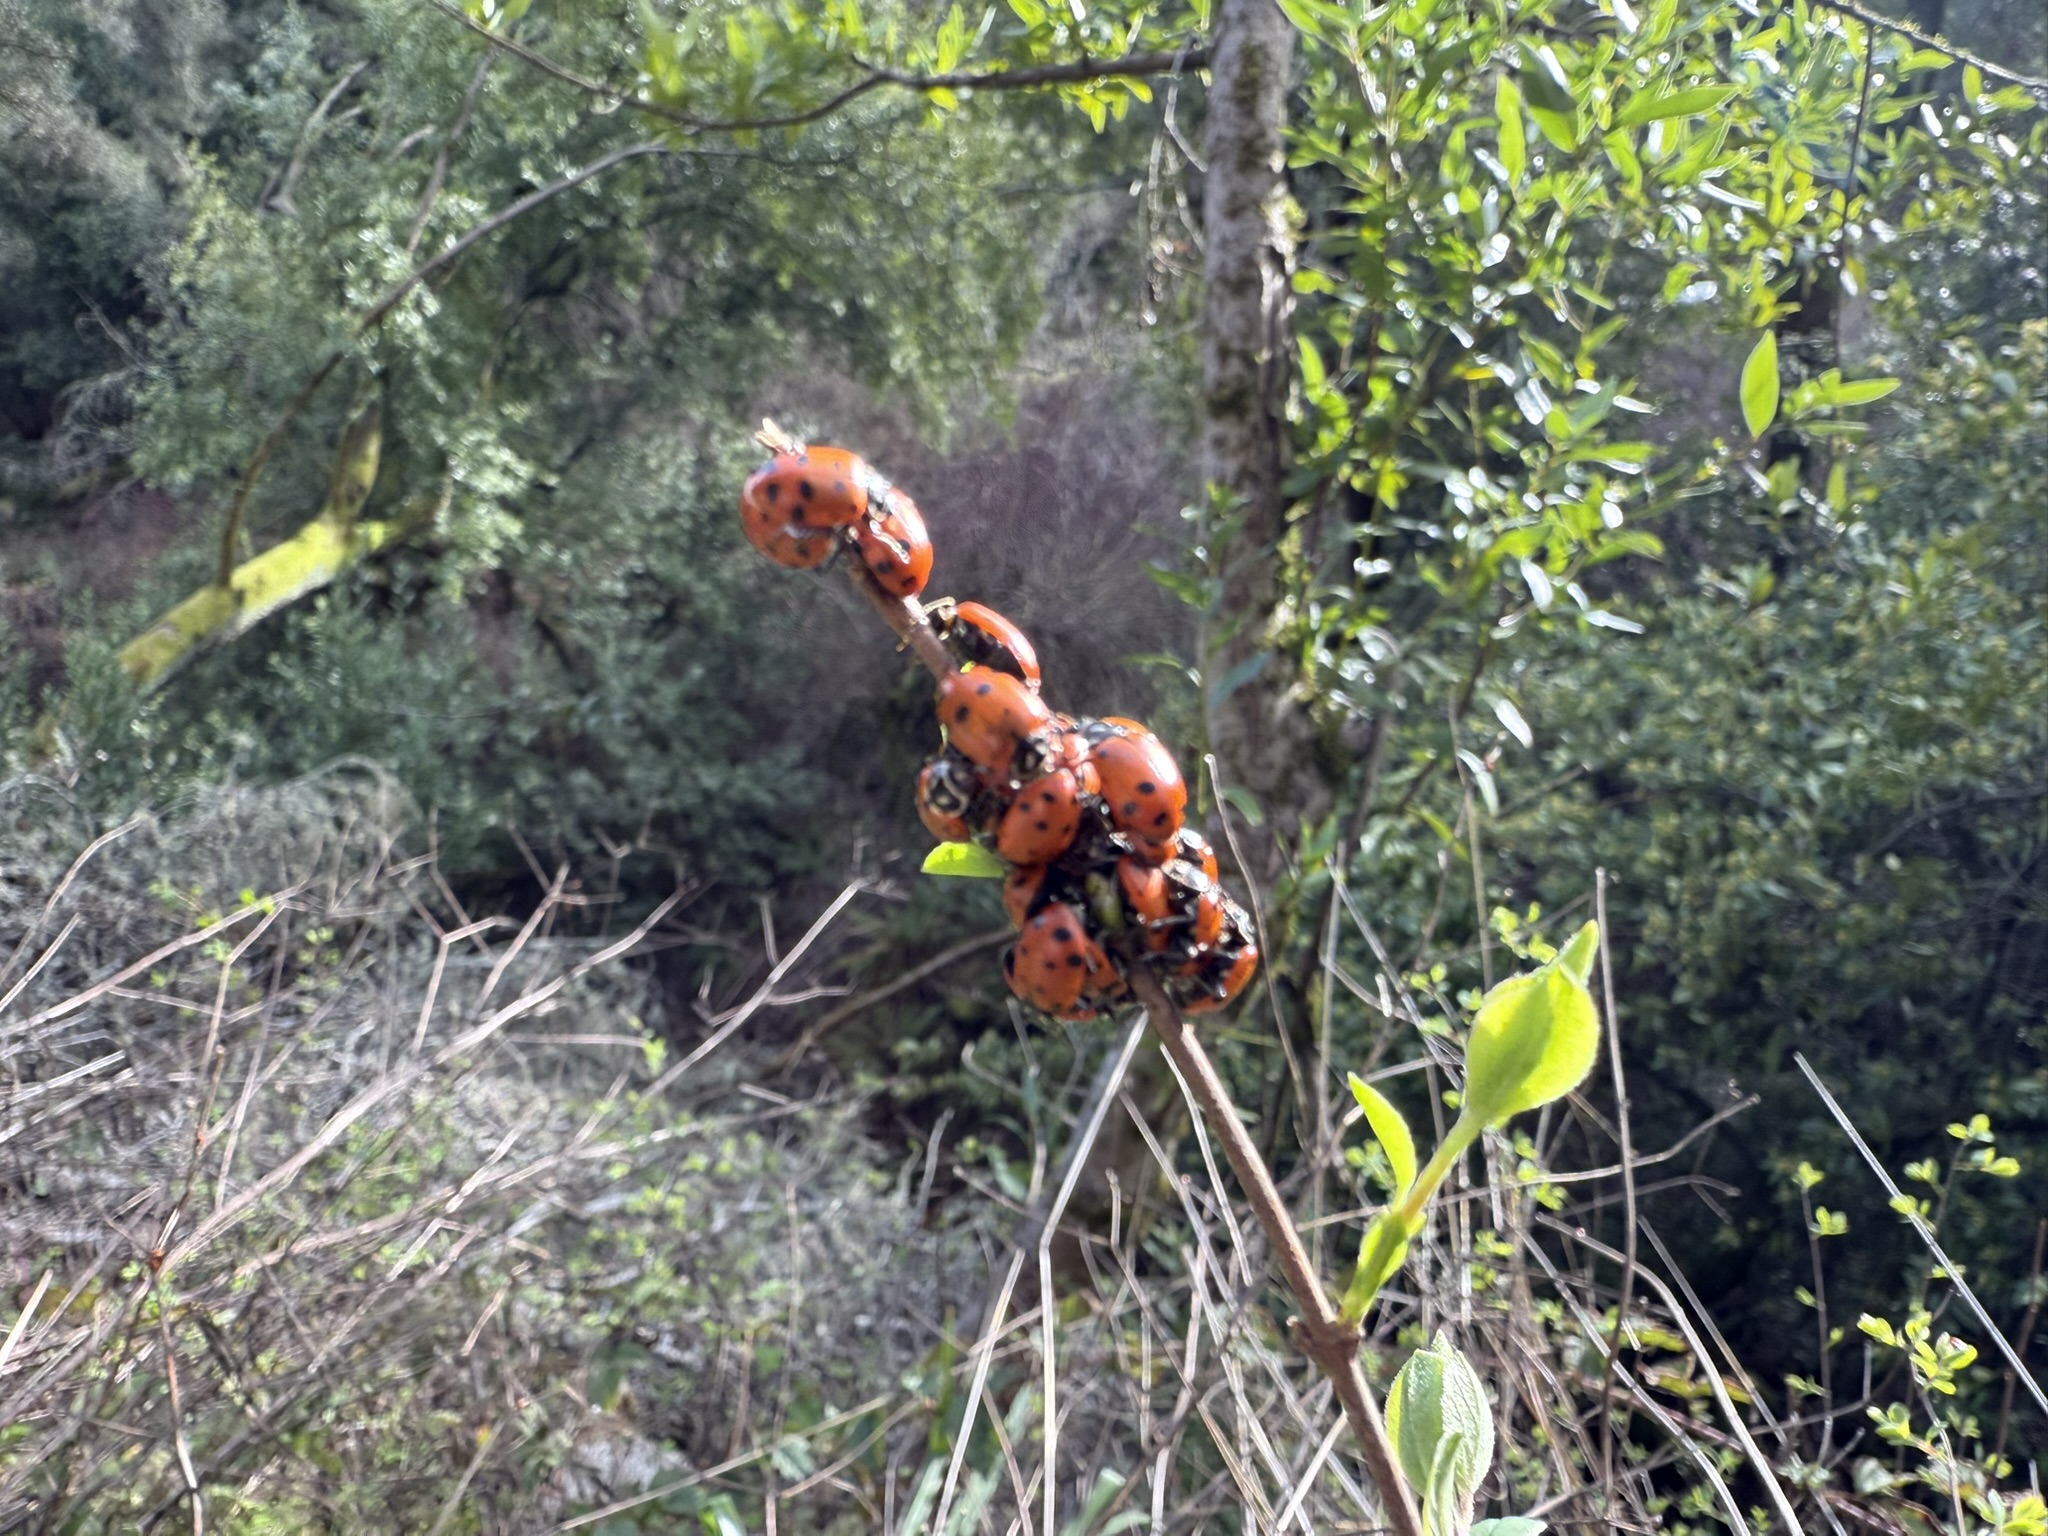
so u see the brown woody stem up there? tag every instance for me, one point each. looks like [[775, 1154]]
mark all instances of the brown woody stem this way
[[1323, 1336]]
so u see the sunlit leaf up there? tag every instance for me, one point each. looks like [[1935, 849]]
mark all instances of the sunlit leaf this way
[[1390, 1130], [1687, 103], [967, 861], [1512, 718], [1760, 385], [1533, 1039]]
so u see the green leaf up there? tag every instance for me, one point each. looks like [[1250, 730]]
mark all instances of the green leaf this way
[[1693, 102], [1516, 723], [1509, 1525], [1245, 803], [1442, 1427], [1483, 777], [1391, 1131], [1533, 1039], [967, 861], [1513, 137], [1760, 385], [1577, 956], [1862, 391]]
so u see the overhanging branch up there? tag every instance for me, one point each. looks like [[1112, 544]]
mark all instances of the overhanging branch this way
[[1069, 72]]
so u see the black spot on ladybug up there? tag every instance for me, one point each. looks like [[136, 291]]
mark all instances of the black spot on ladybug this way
[[1148, 788], [1063, 935], [797, 516], [962, 712], [1130, 807], [1052, 965], [1161, 819], [1047, 796], [1075, 962], [773, 491], [985, 688], [805, 490], [1042, 826]]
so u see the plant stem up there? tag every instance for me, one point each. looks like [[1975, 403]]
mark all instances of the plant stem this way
[[1324, 1337]]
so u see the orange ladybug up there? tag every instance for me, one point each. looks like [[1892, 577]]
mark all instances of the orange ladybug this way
[[1042, 820], [893, 543], [945, 794], [1020, 892], [1141, 788], [1055, 963], [808, 488], [1223, 977], [1201, 909], [995, 722], [799, 551], [979, 636], [1146, 899]]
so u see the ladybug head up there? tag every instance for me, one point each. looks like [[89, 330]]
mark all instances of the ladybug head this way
[[1034, 756], [950, 790]]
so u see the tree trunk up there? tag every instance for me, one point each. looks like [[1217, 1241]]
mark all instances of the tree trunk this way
[[1258, 732]]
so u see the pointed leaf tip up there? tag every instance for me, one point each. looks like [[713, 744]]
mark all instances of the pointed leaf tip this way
[[1391, 1131]]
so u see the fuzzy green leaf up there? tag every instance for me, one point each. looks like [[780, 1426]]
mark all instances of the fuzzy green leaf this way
[[1533, 1039], [1442, 1429]]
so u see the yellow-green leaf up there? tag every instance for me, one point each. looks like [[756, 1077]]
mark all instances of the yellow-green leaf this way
[[1693, 102], [1533, 1040], [1391, 1131], [1514, 140], [969, 861], [1760, 385]]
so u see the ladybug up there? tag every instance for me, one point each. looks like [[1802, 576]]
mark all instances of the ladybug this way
[[1199, 909], [1042, 820], [979, 636], [1141, 789], [1021, 888], [1147, 901], [1055, 963], [945, 794], [806, 489], [995, 722], [1193, 848], [1226, 973], [798, 550], [893, 543]]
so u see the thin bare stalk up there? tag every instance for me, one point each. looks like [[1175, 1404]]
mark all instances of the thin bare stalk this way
[[1322, 1336], [1628, 1180]]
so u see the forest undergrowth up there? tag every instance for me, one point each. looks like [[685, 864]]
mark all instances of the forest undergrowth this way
[[344, 1207]]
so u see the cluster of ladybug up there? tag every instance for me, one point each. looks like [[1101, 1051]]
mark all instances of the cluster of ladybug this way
[[1089, 815]]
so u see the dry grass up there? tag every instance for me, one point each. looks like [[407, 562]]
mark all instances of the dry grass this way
[[328, 1205]]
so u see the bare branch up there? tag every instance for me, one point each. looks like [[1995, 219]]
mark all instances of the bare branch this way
[[1030, 77], [1871, 18]]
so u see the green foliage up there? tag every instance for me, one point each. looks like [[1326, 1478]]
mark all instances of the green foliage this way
[[1531, 1042], [97, 98]]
